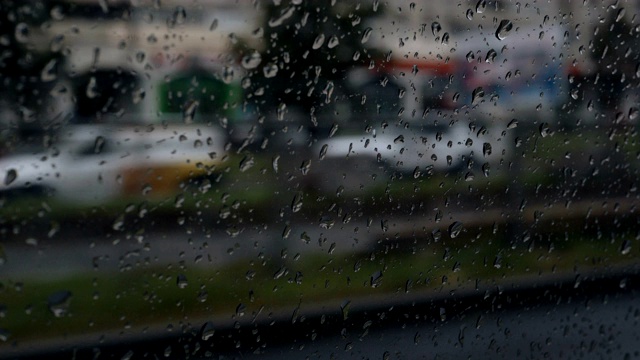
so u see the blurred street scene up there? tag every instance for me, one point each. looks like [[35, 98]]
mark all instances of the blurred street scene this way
[[231, 141]]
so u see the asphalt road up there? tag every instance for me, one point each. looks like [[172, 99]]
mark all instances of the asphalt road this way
[[60, 257], [599, 327], [598, 320], [69, 254]]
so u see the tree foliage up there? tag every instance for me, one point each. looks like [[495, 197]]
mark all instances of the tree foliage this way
[[308, 46]]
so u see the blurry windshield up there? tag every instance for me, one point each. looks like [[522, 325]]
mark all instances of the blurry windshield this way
[[319, 179]]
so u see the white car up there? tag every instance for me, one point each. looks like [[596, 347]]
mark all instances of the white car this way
[[354, 161], [91, 164]]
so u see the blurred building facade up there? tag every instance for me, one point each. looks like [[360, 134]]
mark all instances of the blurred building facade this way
[[150, 40]]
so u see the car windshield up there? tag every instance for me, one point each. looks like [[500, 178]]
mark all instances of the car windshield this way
[[319, 179]]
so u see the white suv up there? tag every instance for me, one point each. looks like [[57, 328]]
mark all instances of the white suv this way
[[91, 164]]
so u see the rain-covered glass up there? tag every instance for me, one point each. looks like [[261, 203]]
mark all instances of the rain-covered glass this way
[[319, 179]]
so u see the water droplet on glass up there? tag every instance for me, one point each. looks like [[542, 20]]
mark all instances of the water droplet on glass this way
[[10, 177], [384, 225], [491, 56], [333, 130], [233, 38], [436, 235], [128, 355], [246, 163], [436, 28], [53, 229], [504, 28], [4, 335], [214, 25], [366, 35], [399, 139], [92, 88], [508, 75], [305, 167], [270, 70], [486, 149], [304, 237], [416, 172], [332, 248], [57, 13], [470, 56], [138, 95], [625, 248], [181, 281], [445, 39], [620, 14], [280, 111], [326, 222], [240, 309], [633, 113], [296, 204], [481, 6], [189, 112], [376, 279], [179, 16], [333, 42], [497, 262], [228, 74], [512, 124], [118, 223], [323, 151], [328, 91], [258, 33], [282, 271], [345, 306], [486, 168], [207, 331], [98, 145], [59, 302], [22, 33], [454, 229], [477, 95], [284, 15], [140, 56], [317, 43], [49, 71], [224, 212], [56, 43], [469, 14], [575, 94], [251, 61], [545, 130]]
